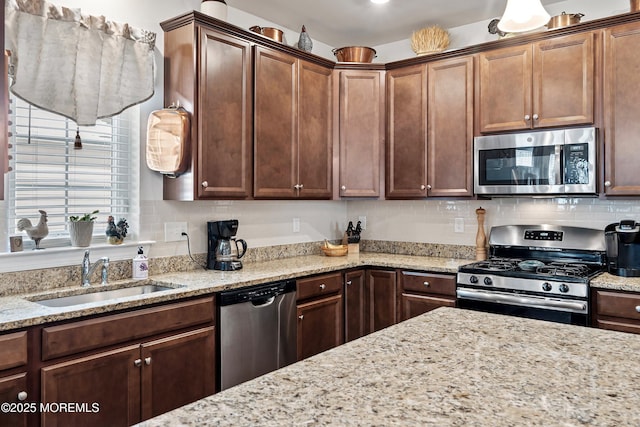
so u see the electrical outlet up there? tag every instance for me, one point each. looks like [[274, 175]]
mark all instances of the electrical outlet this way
[[363, 222], [458, 225], [296, 225], [173, 231]]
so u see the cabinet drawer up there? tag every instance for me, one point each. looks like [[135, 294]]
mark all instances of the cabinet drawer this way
[[618, 304], [13, 350], [428, 283], [319, 285], [91, 334]]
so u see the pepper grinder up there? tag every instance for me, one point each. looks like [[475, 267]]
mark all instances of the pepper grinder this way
[[481, 238]]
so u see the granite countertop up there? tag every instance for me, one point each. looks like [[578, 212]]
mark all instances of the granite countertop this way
[[448, 367], [19, 311]]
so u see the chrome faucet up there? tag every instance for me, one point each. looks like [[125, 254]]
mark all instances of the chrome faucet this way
[[88, 269]]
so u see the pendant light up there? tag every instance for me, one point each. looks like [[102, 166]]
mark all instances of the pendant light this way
[[523, 15]]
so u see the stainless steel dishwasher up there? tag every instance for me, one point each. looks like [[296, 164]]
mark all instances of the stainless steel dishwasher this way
[[257, 331]]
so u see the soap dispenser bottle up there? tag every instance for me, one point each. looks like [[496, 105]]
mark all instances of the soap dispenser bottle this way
[[140, 265]]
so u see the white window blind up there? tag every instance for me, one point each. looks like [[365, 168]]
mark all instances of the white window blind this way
[[49, 174]]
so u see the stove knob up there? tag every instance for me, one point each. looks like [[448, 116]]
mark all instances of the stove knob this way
[[546, 287], [564, 288], [473, 279], [488, 281]]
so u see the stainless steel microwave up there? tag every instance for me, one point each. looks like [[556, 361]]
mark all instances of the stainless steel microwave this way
[[551, 162]]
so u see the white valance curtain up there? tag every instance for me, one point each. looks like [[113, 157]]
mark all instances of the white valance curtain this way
[[80, 66]]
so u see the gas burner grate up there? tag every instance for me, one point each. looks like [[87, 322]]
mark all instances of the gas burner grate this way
[[495, 265], [564, 269]]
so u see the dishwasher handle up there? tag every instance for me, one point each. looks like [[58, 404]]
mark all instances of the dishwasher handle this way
[[263, 302]]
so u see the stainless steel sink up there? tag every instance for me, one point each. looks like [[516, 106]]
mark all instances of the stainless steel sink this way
[[105, 295]]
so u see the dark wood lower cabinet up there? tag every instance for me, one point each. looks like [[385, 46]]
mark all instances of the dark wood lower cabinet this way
[[320, 325], [380, 299], [354, 305], [10, 387], [615, 310], [420, 292], [414, 305]]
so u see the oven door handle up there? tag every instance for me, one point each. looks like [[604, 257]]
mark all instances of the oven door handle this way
[[512, 299]]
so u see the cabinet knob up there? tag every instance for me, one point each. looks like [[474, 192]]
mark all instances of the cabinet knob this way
[[423, 187], [322, 286], [204, 184], [428, 187], [536, 117], [343, 188], [301, 186], [147, 361], [527, 117], [638, 308], [137, 363], [426, 284], [348, 282], [22, 396], [607, 183], [301, 317]]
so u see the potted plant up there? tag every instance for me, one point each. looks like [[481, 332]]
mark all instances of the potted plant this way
[[81, 229]]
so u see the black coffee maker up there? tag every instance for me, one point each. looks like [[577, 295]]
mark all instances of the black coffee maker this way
[[623, 248], [224, 253]]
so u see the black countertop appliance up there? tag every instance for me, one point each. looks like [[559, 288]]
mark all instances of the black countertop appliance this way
[[623, 248]]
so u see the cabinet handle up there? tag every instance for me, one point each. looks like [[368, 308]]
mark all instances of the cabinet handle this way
[[422, 187], [607, 183], [427, 284], [204, 184], [348, 282], [322, 286], [301, 317], [22, 396], [638, 308], [137, 363], [536, 117], [428, 187], [301, 186], [527, 117], [343, 188], [147, 361]]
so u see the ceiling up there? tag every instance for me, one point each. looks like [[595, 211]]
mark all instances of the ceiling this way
[[362, 23]]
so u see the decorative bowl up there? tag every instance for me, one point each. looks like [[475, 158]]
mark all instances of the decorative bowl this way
[[336, 250]]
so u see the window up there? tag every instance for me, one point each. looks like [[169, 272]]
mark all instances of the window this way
[[49, 174]]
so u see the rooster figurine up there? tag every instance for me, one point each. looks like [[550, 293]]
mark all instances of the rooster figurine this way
[[116, 232], [35, 232]]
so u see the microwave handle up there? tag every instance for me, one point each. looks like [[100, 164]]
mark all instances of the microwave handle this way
[[559, 164]]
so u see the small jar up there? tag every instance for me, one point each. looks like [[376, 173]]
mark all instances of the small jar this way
[[214, 8]]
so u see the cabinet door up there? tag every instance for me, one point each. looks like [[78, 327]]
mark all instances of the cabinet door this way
[[406, 160], [315, 131], [111, 380], [275, 145], [563, 81], [224, 117], [354, 305], [505, 89], [10, 387], [177, 370], [320, 325], [412, 305], [381, 299], [450, 128], [621, 110], [361, 133]]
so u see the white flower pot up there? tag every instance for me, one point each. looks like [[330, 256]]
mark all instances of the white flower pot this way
[[80, 233]]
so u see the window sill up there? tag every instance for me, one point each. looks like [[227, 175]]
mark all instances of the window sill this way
[[33, 259]]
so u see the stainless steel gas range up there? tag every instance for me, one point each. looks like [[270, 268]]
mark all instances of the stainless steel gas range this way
[[535, 271]]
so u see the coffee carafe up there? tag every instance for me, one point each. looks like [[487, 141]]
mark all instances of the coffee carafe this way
[[225, 250]]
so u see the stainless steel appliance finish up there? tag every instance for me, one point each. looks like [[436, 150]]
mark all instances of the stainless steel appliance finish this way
[[536, 163], [257, 331], [538, 271]]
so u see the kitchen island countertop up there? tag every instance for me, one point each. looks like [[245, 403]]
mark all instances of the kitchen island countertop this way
[[449, 367]]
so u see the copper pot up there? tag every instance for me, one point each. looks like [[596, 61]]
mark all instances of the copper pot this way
[[272, 33], [564, 20], [354, 54]]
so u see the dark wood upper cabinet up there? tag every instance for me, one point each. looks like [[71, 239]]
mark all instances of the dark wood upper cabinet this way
[[361, 129], [209, 73], [542, 84], [293, 134], [621, 110], [430, 129]]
